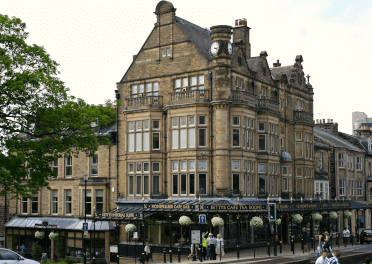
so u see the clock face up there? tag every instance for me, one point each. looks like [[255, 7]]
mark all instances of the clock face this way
[[215, 48], [229, 48]]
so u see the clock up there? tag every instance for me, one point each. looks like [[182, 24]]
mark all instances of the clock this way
[[229, 48], [215, 47]]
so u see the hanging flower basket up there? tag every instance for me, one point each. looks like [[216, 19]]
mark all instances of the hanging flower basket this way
[[348, 214], [185, 220], [256, 221], [297, 218], [333, 215], [53, 236], [317, 217], [130, 228], [39, 235], [217, 221], [278, 221]]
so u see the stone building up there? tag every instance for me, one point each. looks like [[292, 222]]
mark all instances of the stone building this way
[[61, 208]]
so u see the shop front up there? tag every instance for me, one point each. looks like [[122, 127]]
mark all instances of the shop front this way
[[22, 237]]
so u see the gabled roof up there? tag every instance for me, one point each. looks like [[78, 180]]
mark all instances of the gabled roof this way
[[282, 70], [334, 140], [254, 63], [200, 36]]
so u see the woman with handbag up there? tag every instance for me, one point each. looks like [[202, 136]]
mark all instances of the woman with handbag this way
[[326, 241]]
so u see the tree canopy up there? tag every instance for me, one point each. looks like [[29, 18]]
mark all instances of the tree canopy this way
[[39, 121]]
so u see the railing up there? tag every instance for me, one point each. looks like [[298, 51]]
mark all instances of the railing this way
[[159, 195], [189, 96], [299, 195], [302, 116], [323, 195], [262, 194], [244, 97], [267, 105], [220, 193], [145, 102]]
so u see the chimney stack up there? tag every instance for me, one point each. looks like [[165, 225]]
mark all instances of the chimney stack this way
[[241, 35]]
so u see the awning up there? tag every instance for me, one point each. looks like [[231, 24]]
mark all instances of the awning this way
[[58, 223]]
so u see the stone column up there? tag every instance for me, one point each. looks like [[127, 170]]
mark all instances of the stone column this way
[[367, 219], [353, 221], [107, 246], [52, 250]]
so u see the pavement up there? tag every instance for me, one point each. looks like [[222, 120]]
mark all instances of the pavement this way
[[249, 256]]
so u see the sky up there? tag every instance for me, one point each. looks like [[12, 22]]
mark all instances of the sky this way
[[94, 42]]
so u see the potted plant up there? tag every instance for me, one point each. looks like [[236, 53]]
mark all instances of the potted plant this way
[[130, 228], [217, 221], [317, 217], [297, 218], [333, 215], [256, 221], [185, 220]]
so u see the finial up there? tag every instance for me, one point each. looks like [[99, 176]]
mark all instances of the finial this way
[[311, 200], [199, 199], [301, 200], [237, 200], [291, 199], [280, 200], [320, 199], [170, 199], [268, 199]]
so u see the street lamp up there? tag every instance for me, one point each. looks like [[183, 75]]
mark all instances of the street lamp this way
[[85, 214]]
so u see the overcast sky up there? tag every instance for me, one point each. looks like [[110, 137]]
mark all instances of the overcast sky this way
[[94, 42]]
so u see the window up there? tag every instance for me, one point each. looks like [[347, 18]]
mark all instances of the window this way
[[351, 188], [183, 133], [174, 165], [238, 83], [88, 204], [282, 104], [342, 187], [351, 162], [54, 202], [236, 121], [55, 166], [285, 184], [94, 165], [236, 165], [68, 166], [68, 202], [261, 142], [236, 137], [236, 183], [282, 142], [155, 184], [202, 184], [341, 161], [7, 255], [189, 83], [166, 52], [155, 166], [261, 127], [202, 164], [360, 188], [24, 205], [263, 92], [321, 160], [139, 135], [359, 163], [35, 204], [138, 90], [299, 105], [175, 184], [202, 137], [99, 201], [146, 185], [30, 171], [284, 170], [261, 168], [262, 184]]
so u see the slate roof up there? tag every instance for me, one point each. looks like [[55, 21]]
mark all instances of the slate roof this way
[[282, 70], [319, 177], [200, 36], [320, 145], [254, 63], [334, 140]]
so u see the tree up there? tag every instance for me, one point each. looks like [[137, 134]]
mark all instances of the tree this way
[[39, 121]]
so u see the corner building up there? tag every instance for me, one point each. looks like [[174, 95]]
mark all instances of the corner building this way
[[202, 117]]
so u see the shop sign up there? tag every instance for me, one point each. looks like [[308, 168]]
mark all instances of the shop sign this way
[[203, 207], [119, 215], [316, 206]]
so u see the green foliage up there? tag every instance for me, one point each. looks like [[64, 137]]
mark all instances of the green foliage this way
[[39, 121], [59, 248], [36, 251]]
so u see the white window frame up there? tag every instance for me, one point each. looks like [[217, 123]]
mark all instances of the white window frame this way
[[359, 163], [94, 163], [342, 187], [341, 160], [360, 188], [53, 195], [68, 164]]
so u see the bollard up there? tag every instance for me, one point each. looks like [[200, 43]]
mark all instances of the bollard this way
[[202, 252], [281, 247], [275, 249], [303, 246], [268, 249], [200, 255], [220, 249], [237, 251], [292, 246], [165, 257], [254, 250], [170, 256], [143, 258], [179, 255]]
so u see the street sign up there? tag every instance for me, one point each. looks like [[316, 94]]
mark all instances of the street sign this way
[[85, 227], [202, 219]]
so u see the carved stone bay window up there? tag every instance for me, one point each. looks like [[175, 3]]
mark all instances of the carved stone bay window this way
[[145, 89]]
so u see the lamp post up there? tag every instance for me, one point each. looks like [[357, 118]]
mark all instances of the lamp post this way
[[85, 214]]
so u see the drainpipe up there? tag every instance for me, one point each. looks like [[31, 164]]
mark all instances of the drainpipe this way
[[165, 152], [211, 132]]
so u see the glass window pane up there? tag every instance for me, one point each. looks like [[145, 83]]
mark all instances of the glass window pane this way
[[201, 79], [202, 183], [202, 137], [183, 121], [191, 120], [155, 166], [156, 140], [146, 144], [146, 184], [130, 142], [193, 80], [185, 82], [202, 164], [178, 83], [149, 87], [191, 138], [174, 121], [175, 184], [191, 183], [174, 139], [183, 165], [191, 165], [155, 86], [138, 141], [138, 125], [183, 183], [134, 89], [139, 187], [145, 124], [141, 88], [155, 184], [183, 138]]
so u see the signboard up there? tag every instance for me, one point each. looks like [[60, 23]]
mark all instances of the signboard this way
[[85, 227], [119, 215], [317, 206], [236, 207], [135, 234], [202, 219], [195, 236]]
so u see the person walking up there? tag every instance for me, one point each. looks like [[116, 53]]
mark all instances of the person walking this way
[[220, 247], [147, 252], [204, 242], [304, 238], [334, 259], [322, 259], [213, 247], [208, 242], [327, 243], [346, 233]]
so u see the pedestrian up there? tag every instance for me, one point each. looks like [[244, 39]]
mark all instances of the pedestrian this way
[[304, 237], [208, 241], [204, 242], [213, 247], [346, 233], [44, 257], [334, 259], [220, 247], [321, 241], [368, 261], [327, 243], [147, 252], [323, 258]]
